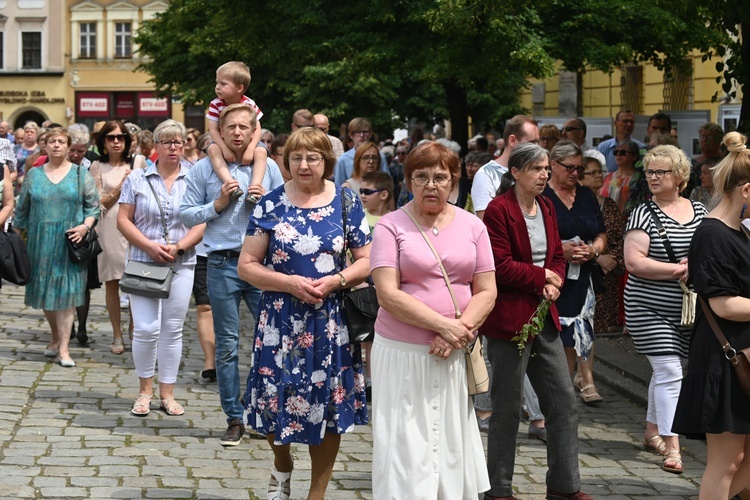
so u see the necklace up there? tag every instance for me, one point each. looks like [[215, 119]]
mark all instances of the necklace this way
[[435, 229], [674, 206], [54, 173]]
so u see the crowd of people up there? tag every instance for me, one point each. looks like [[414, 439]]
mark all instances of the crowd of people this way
[[535, 224]]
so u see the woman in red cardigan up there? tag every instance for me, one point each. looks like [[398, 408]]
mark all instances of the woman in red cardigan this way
[[529, 267]]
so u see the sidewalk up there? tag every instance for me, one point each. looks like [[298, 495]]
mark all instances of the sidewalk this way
[[68, 432]]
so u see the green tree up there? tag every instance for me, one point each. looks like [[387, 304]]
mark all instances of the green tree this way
[[427, 59]]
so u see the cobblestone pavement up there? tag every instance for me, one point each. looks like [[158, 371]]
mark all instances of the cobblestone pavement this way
[[68, 432]]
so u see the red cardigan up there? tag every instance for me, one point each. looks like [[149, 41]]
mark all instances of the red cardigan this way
[[519, 282]]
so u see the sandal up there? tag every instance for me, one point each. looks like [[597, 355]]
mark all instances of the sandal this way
[[118, 347], [673, 457], [172, 407], [142, 405], [655, 443], [280, 485], [589, 395]]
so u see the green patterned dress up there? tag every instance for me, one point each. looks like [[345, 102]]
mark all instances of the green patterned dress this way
[[47, 210]]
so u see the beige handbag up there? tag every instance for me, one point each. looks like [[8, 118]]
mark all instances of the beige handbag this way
[[688, 305], [477, 378]]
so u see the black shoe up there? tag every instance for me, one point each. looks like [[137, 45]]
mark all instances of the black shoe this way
[[236, 194], [233, 435], [73, 331], [209, 374], [83, 339]]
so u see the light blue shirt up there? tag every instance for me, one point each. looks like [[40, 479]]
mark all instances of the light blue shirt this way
[[607, 148], [225, 230], [345, 167], [147, 217]]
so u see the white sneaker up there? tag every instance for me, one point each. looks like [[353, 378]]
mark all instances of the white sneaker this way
[[124, 301]]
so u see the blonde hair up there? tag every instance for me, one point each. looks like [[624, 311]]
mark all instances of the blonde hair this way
[[233, 108], [734, 169], [673, 156], [237, 72], [311, 139]]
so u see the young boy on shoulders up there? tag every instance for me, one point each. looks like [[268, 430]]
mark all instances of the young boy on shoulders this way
[[376, 191], [232, 81]]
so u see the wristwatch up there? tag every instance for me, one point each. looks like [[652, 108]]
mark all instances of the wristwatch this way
[[180, 250], [596, 252], [343, 280]]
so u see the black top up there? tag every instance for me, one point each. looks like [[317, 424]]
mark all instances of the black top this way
[[711, 399]]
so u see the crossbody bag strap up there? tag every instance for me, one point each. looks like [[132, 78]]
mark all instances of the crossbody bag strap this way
[[343, 226], [729, 351], [662, 232], [440, 261], [161, 211]]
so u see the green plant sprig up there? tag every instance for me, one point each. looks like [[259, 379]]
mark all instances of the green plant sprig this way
[[533, 327]]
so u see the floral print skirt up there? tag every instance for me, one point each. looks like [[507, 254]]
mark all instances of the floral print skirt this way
[[304, 381]]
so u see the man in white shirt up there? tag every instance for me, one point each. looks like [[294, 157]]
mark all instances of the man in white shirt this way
[[518, 130], [321, 123]]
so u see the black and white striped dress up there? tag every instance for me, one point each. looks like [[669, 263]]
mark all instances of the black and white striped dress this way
[[653, 307]]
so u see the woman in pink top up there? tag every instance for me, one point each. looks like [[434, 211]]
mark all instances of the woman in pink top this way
[[426, 442]]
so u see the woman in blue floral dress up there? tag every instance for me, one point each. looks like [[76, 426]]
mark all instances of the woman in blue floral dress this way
[[305, 386]]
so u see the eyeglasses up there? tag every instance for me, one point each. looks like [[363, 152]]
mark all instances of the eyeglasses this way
[[312, 161], [368, 192], [568, 128], [369, 158], [438, 180], [400, 152], [593, 172], [620, 152], [658, 173], [115, 137], [572, 168], [361, 132], [169, 144]]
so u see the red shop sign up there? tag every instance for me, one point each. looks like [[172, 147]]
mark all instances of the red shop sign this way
[[93, 104]]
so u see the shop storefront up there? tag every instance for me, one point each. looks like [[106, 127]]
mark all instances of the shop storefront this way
[[142, 108]]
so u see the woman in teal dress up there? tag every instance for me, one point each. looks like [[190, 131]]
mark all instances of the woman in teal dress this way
[[57, 201]]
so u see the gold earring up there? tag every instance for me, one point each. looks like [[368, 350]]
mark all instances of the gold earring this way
[[104, 152]]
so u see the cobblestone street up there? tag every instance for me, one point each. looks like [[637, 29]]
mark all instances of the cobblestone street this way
[[68, 432]]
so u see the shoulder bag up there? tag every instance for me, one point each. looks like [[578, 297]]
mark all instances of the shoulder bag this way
[[477, 378], [688, 296], [361, 304], [89, 246], [149, 279], [14, 261], [740, 360]]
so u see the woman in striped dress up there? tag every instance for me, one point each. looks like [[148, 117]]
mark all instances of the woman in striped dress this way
[[653, 296]]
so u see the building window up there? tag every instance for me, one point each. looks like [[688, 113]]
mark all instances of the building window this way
[[88, 40], [31, 50], [631, 88], [2, 50], [123, 32], [678, 91]]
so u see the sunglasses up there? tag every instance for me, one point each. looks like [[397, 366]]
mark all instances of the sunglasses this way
[[620, 152], [368, 192], [115, 137], [570, 129], [573, 168]]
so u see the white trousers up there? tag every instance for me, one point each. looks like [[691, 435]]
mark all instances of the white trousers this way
[[664, 391], [157, 334]]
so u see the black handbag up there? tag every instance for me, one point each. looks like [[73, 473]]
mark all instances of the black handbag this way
[[14, 261], [597, 279], [86, 249], [361, 304], [89, 246]]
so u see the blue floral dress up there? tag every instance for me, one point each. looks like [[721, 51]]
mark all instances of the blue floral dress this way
[[304, 381]]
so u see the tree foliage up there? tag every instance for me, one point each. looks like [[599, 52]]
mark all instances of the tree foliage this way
[[427, 59]]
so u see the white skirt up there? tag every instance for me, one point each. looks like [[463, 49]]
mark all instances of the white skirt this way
[[426, 443]]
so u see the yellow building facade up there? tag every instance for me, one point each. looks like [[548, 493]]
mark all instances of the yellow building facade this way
[[74, 61], [642, 88]]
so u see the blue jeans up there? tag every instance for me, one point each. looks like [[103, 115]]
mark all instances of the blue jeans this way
[[225, 289]]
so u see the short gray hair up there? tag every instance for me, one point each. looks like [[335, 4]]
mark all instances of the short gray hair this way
[[564, 149], [169, 129], [79, 134]]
